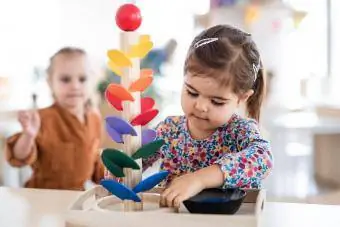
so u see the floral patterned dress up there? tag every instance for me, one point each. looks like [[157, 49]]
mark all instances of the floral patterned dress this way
[[237, 147]]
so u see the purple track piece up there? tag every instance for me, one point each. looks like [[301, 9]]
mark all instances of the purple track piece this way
[[148, 135], [117, 127], [114, 134]]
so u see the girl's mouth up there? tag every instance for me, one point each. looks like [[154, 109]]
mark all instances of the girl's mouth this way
[[200, 118]]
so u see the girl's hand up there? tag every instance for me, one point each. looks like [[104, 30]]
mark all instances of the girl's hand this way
[[190, 184], [180, 189], [30, 122]]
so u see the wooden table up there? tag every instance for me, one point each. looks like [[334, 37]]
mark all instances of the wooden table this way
[[40, 208]]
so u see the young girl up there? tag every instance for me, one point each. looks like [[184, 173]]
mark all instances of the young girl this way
[[61, 142], [212, 146]]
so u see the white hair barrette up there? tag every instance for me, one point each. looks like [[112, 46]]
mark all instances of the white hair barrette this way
[[203, 42], [256, 69]]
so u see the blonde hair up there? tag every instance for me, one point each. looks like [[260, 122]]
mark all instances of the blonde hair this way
[[64, 51]]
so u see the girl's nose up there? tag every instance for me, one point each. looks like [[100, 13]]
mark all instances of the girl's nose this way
[[75, 84], [201, 105]]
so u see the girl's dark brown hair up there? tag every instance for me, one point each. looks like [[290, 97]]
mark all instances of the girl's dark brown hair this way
[[64, 51], [233, 59]]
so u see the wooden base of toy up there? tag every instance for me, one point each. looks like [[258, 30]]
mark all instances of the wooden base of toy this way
[[99, 199], [97, 208], [150, 203]]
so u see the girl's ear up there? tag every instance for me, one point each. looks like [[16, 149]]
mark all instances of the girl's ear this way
[[245, 96]]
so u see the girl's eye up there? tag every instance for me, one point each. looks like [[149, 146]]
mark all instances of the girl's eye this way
[[217, 103], [83, 79], [192, 94], [65, 79]]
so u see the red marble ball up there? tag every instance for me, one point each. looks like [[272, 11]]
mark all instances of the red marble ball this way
[[128, 17]]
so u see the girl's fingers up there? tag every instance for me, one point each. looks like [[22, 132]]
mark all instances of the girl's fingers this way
[[23, 120], [24, 116], [170, 198], [178, 200], [163, 197]]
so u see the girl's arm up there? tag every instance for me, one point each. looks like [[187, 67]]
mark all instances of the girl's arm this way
[[23, 147], [253, 162], [21, 150], [99, 168], [244, 169]]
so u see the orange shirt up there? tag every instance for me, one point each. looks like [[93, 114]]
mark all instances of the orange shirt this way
[[66, 151]]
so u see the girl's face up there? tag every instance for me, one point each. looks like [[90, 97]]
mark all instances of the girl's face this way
[[68, 80], [208, 105]]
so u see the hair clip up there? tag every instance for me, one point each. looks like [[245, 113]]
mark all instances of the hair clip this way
[[256, 69], [203, 42]]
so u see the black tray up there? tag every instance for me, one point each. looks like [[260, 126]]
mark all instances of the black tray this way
[[216, 201]]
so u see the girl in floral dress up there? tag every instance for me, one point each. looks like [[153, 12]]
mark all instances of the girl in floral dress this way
[[211, 145]]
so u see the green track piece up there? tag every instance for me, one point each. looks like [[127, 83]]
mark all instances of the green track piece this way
[[119, 158], [148, 149], [113, 168]]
